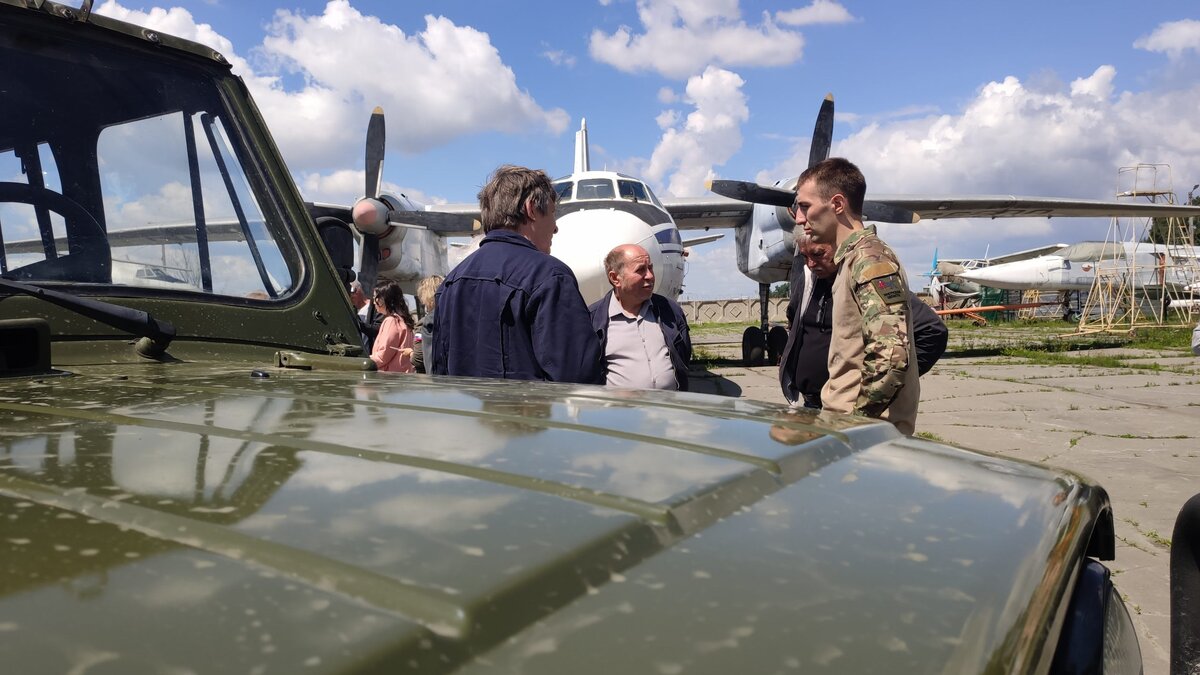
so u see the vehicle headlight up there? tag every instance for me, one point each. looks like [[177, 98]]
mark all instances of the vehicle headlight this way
[[1121, 651], [1097, 634]]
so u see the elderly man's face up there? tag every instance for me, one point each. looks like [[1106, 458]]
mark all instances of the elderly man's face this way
[[356, 297], [819, 258], [635, 282]]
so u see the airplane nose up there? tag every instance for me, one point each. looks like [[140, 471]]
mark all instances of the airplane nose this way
[[1017, 275], [585, 237]]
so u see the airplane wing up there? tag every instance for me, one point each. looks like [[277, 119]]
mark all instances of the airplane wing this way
[[1012, 206], [701, 213], [1008, 257], [147, 235], [933, 207]]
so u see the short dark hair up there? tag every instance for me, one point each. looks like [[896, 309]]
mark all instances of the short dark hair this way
[[837, 175], [502, 201]]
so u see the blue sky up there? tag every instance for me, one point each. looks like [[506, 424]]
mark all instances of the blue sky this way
[[1028, 98]]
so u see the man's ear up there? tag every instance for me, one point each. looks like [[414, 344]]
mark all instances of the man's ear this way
[[839, 203], [613, 278], [531, 212]]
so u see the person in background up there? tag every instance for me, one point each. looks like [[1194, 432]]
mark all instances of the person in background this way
[[393, 348], [427, 296], [872, 357], [1196, 340], [359, 300], [644, 338], [803, 368], [510, 310]]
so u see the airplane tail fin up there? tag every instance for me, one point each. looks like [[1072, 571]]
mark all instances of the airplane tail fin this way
[[582, 162]]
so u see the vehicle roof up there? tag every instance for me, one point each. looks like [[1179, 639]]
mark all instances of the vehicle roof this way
[[158, 39]]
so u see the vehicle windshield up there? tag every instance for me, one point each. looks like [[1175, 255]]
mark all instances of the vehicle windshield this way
[[124, 170]]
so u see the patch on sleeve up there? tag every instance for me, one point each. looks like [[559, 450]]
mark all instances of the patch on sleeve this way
[[890, 288], [881, 268]]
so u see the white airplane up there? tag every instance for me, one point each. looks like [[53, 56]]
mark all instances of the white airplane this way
[[1075, 267], [597, 211], [946, 283]]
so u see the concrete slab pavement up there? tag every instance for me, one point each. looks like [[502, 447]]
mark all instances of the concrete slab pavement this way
[[1134, 431]]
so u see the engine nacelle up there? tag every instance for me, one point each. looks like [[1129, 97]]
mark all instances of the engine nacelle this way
[[765, 246]]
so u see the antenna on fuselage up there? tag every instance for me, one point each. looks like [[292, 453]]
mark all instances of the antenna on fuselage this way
[[582, 163]]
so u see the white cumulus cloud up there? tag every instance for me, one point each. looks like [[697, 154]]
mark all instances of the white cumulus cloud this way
[[1016, 139], [1172, 38], [454, 81], [680, 38], [821, 11], [708, 136]]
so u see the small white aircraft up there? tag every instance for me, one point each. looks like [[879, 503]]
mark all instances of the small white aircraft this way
[[947, 285], [1075, 267]]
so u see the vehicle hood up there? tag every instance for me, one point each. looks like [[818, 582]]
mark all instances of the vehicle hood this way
[[195, 519]]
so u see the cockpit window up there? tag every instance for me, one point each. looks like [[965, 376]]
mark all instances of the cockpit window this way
[[595, 188], [564, 190], [631, 189], [143, 186]]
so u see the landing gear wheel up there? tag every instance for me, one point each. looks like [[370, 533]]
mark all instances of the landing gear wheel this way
[[754, 347], [776, 341]]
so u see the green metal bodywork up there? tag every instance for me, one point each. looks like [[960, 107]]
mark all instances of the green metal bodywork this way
[[250, 503]]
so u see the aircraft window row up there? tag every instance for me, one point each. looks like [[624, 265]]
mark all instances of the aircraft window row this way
[[602, 188]]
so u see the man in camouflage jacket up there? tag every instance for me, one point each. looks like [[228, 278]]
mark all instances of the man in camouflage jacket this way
[[872, 356]]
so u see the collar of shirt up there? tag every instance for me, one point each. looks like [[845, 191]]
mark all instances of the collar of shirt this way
[[851, 241], [615, 309], [507, 237]]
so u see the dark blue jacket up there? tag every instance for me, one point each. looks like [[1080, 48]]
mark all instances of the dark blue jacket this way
[[670, 319], [511, 311]]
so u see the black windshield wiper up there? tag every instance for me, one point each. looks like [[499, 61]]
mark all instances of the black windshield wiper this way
[[156, 335]]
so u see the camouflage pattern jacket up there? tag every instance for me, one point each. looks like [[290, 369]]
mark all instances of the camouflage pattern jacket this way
[[872, 356]]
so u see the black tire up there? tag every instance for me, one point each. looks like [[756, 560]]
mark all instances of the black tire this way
[[776, 341], [754, 347]]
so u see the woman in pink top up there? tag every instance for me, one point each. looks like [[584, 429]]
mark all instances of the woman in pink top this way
[[394, 345]]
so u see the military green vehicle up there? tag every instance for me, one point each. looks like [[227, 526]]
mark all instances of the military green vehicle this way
[[199, 471]]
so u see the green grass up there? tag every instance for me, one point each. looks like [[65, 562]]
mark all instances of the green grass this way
[[1163, 338], [1058, 358]]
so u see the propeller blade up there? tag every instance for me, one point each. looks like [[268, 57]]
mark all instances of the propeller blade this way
[[822, 138], [752, 192], [368, 264], [886, 213], [375, 149], [445, 224]]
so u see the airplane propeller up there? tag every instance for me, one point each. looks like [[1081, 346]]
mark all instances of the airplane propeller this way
[[376, 214], [822, 141]]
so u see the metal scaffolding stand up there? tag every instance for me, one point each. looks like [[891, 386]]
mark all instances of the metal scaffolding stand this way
[[1139, 283]]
